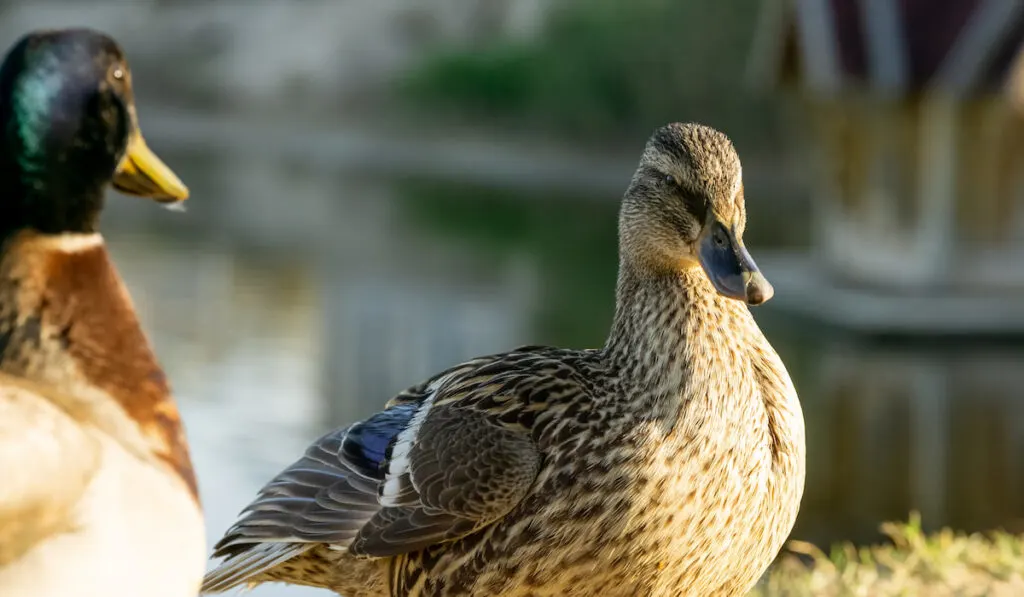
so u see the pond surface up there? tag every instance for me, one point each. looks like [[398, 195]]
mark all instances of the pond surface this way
[[287, 301]]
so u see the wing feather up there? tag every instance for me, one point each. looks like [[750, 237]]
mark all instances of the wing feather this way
[[445, 459]]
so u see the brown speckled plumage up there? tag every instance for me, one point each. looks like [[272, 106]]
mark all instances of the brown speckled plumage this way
[[670, 462]]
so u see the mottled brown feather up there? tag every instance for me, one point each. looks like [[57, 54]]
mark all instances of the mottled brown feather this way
[[670, 462]]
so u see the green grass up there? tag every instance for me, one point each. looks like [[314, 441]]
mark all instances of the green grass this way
[[939, 565]]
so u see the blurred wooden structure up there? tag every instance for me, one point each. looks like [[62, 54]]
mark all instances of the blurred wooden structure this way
[[916, 426], [917, 137]]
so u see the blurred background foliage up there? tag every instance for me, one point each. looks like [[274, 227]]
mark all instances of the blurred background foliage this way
[[607, 69], [579, 288]]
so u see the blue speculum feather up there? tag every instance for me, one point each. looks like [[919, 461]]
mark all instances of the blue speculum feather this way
[[367, 443]]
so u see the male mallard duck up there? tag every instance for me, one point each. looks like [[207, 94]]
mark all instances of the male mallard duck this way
[[670, 462], [98, 496]]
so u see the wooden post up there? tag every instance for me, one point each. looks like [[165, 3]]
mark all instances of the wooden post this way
[[936, 235], [929, 428]]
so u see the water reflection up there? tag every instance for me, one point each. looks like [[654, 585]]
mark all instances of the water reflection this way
[[299, 300], [939, 429]]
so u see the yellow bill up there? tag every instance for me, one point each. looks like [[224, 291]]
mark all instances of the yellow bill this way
[[143, 174]]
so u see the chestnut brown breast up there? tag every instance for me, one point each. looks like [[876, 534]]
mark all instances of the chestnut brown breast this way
[[67, 320]]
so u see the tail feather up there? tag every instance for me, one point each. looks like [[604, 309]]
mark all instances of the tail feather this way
[[243, 567]]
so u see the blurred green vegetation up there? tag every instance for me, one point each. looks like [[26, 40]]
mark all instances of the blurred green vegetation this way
[[574, 238], [602, 69], [940, 565]]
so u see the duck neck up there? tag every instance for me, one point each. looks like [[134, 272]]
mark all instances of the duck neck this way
[[67, 321], [45, 203], [667, 325]]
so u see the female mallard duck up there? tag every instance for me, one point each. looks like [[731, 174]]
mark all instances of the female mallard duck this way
[[98, 495], [670, 462]]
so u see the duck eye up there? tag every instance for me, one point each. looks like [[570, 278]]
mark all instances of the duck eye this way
[[118, 74], [720, 237], [671, 180]]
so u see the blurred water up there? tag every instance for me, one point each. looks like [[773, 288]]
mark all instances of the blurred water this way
[[288, 301]]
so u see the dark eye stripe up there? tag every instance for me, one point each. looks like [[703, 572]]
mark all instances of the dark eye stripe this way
[[696, 205], [654, 174]]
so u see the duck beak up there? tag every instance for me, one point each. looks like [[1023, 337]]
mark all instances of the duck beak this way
[[143, 174], [730, 267]]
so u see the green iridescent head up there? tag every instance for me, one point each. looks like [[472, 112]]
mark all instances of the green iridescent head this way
[[68, 128]]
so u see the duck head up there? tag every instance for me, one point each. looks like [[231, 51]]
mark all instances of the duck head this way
[[68, 129], [684, 209]]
